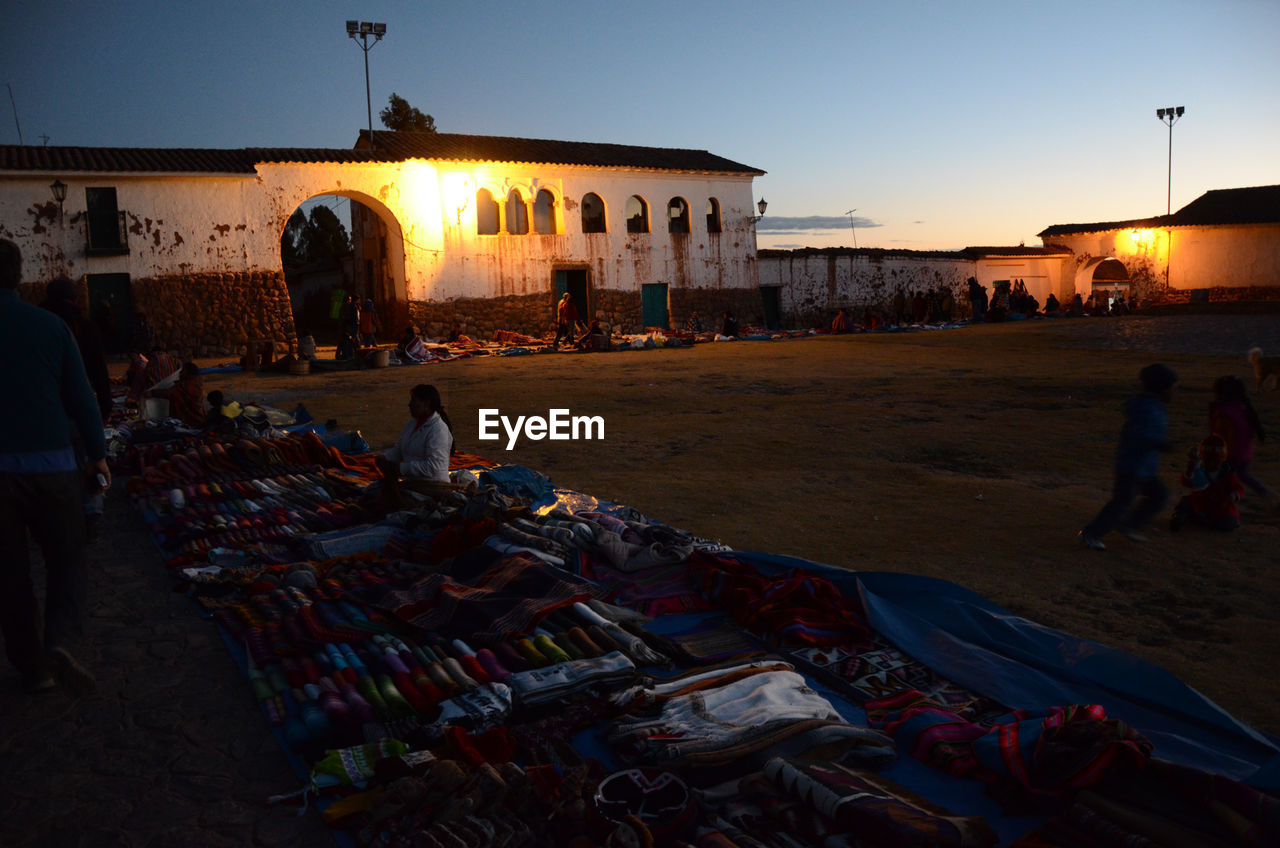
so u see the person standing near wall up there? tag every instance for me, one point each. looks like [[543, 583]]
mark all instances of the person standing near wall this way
[[568, 321], [41, 485]]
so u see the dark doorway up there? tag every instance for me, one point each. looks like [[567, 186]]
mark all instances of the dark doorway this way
[[577, 283], [111, 309], [771, 301]]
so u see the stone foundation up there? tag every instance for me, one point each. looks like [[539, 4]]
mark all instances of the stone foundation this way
[[205, 314], [1220, 294], [745, 304], [214, 314]]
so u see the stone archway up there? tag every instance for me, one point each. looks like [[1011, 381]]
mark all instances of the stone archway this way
[[374, 270], [1102, 274]]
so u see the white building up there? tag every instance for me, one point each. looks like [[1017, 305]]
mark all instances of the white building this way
[[1224, 245], [479, 229]]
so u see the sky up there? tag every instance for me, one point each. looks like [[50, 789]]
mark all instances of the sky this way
[[940, 125]]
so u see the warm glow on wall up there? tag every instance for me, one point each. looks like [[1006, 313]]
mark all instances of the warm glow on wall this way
[[1142, 239], [457, 189], [419, 194]]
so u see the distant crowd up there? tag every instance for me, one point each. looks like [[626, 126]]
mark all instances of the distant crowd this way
[[1008, 301]]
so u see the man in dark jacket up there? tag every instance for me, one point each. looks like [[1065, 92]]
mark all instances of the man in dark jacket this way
[[41, 485]]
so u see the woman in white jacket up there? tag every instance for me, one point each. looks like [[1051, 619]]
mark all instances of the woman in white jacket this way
[[422, 452]]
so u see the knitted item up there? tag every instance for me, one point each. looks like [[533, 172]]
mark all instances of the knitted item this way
[[353, 766]]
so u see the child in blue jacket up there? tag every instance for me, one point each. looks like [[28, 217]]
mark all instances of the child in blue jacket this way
[[1137, 466]]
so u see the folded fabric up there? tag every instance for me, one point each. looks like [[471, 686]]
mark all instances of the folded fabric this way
[[724, 716], [875, 808], [544, 685]]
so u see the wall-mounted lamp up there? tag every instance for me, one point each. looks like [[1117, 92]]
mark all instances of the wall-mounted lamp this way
[[59, 189], [762, 205]]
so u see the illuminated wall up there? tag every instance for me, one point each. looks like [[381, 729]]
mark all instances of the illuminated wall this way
[[1206, 257]]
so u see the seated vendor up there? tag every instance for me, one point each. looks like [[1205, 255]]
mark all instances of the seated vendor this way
[[597, 335], [422, 452], [186, 397], [410, 345]]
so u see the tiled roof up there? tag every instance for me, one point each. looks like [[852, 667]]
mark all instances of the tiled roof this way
[[391, 147], [904, 253], [164, 159], [490, 148], [1020, 250], [1253, 205]]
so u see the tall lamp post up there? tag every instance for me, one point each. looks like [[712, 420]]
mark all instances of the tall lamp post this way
[[364, 29], [1169, 116], [855, 232]]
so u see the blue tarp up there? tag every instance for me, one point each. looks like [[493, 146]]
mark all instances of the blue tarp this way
[[1021, 664]]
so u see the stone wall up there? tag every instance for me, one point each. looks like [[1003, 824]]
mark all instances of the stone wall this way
[[214, 314], [744, 303], [206, 314], [1220, 294], [532, 314]]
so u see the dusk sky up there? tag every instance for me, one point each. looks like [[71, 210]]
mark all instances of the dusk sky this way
[[943, 124]]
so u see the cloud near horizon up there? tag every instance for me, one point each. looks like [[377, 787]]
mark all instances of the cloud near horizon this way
[[781, 224]]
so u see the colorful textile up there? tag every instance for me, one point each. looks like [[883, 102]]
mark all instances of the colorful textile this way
[[875, 808], [796, 609], [507, 598], [1047, 753]]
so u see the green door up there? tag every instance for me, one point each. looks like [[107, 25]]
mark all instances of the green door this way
[[111, 309], [653, 305]]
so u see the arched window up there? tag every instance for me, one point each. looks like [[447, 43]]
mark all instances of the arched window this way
[[592, 213], [544, 213], [486, 213], [677, 215], [517, 214], [637, 214], [713, 216]]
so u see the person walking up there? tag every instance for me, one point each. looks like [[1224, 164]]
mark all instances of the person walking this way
[[1137, 463], [41, 485], [568, 321]]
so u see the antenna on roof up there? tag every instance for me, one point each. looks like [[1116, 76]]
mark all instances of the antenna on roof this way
[[15, 112]]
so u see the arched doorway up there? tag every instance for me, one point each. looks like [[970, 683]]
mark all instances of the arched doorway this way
[[1106, 277], [339, 244]]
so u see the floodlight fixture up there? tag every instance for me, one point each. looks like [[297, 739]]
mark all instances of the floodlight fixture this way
[[364, 29], [1169, 116]]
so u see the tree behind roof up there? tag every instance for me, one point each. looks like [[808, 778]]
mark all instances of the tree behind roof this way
[[402, 117]]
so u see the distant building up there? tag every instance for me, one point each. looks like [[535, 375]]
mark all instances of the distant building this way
[[806, 287], [455, 228], [1224, 245]]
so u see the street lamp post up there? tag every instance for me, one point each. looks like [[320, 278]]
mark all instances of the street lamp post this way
[[762, 205], [1169, 116], [855, 232], [364, 29]]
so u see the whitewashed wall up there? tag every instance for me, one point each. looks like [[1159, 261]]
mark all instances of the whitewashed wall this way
[[1226, 256], [192, 224]]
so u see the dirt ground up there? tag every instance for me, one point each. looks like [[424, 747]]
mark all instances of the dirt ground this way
[[972, 455]]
